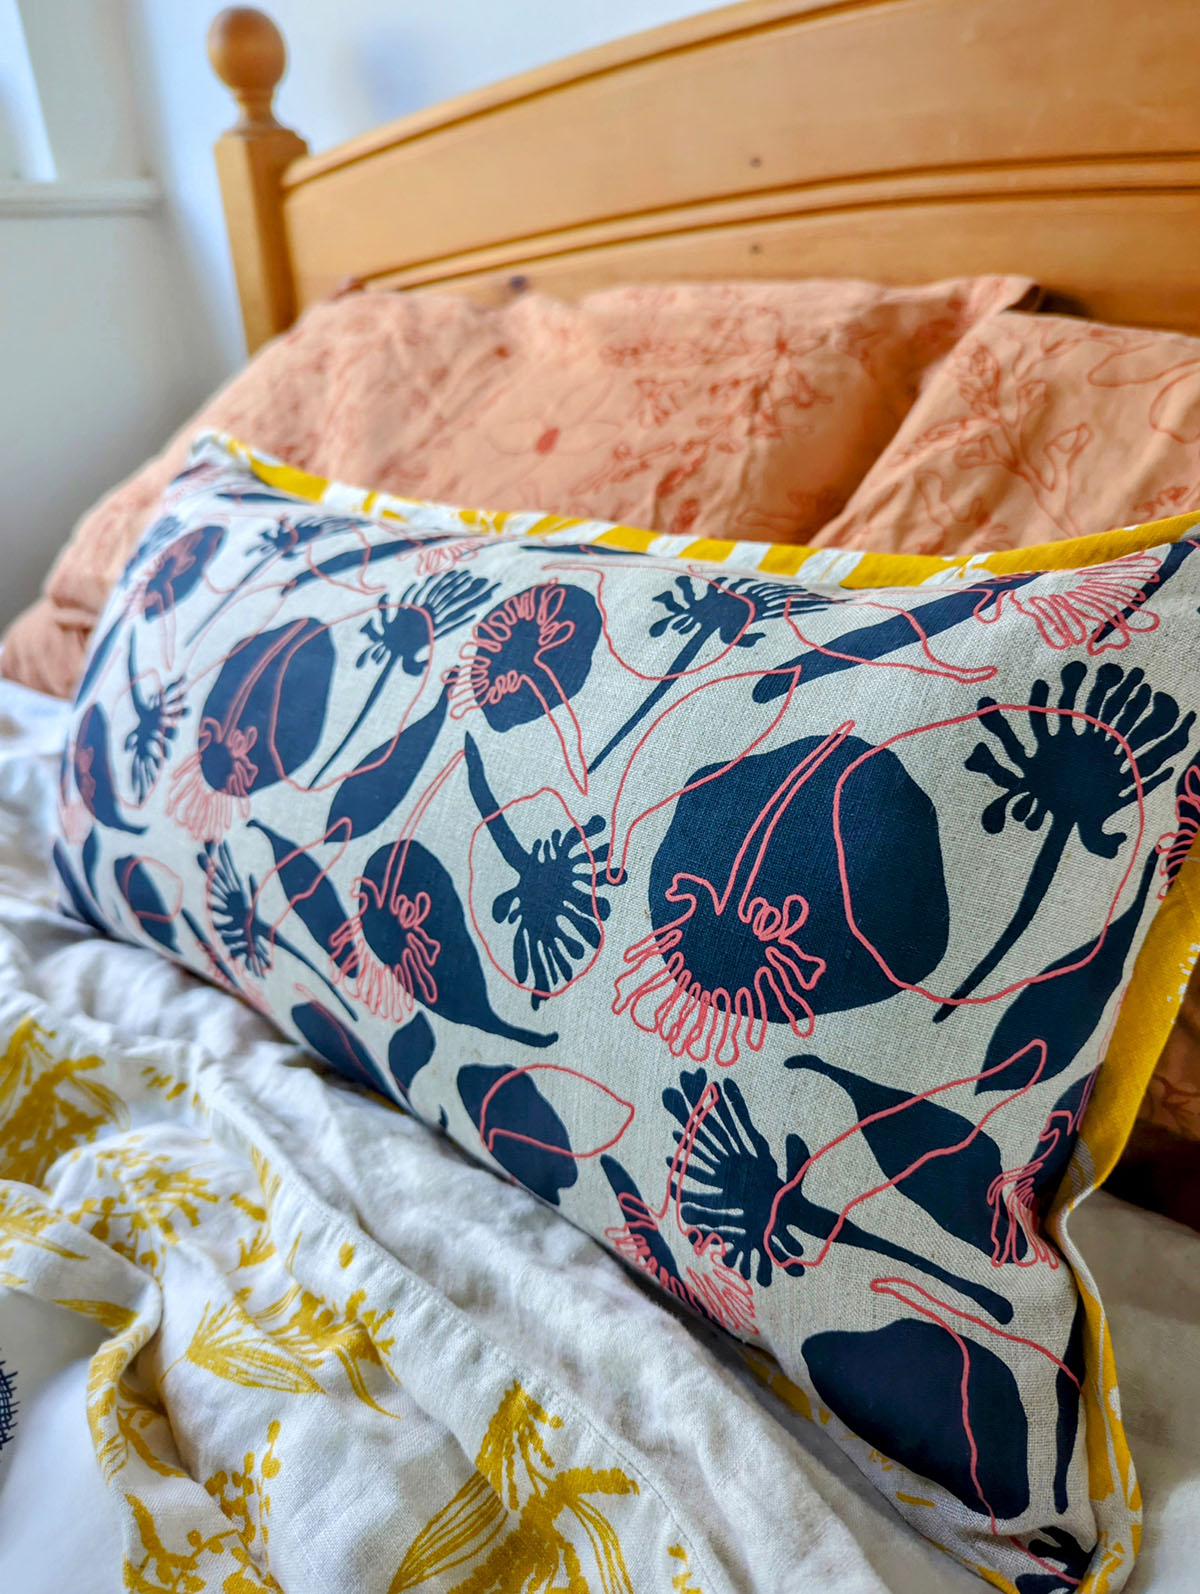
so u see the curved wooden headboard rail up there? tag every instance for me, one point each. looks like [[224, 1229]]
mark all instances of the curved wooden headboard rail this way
[[900, 140]]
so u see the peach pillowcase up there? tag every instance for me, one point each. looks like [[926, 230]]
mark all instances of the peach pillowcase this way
[[1039, 427], [746, 409]]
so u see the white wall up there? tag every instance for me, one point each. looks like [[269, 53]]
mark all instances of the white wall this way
[[99, 357], [113, 328]]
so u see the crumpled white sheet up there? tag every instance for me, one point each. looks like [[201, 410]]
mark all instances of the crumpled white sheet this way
[[768, 1502]]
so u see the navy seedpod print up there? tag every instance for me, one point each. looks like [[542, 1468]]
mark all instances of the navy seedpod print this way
[[336, 1043], [402, 634], [526, 659], [749, 923], [370, 793], [93, 772], [135, 881], [405, 944], [158, 709], [260, 721]]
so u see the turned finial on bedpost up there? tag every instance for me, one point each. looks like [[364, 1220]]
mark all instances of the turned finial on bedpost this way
[[248, 55]]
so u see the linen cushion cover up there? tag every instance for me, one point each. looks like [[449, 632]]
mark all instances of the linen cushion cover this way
[[771, 925], [755, 405]]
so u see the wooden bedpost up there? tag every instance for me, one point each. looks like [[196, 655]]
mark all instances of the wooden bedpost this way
[[248, 55]]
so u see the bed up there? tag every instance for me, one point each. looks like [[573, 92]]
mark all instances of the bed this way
[[900, 140], [895, 141]]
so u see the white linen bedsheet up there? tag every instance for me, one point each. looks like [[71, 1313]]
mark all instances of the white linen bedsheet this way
[[489, 1288]]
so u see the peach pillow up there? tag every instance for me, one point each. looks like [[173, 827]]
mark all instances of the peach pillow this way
[[1036, 428], [750, 409]]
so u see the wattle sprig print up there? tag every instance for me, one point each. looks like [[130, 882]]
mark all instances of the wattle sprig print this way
[[403, 633], [1084, 768], [556, 913], [158, 712], [704, 610]]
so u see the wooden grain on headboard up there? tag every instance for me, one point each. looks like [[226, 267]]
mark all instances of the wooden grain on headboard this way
[[900, 140]]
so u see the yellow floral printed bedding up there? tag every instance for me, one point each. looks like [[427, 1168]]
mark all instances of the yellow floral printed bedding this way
[[221, 1291]]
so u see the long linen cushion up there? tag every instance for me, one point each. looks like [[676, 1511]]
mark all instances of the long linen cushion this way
[[772, 923], [694, 407]]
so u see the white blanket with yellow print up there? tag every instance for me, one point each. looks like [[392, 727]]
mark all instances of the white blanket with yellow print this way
[[325, 1352]]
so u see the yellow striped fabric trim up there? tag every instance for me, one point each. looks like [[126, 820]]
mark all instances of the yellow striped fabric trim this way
[[848, 567]]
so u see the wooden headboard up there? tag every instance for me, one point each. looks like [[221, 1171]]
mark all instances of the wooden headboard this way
[[900, 140]]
